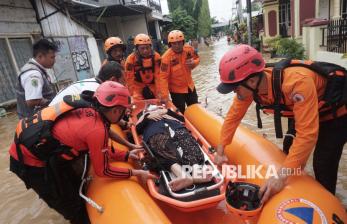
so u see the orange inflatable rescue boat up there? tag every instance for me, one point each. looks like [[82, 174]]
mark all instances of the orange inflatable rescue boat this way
[[303, 200]]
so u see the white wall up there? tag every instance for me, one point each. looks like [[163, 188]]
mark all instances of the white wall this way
[[312, 39], [133, 25], [332, 58], [94, 54]]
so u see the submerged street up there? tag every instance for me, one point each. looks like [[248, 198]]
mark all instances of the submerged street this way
[[21, 206]]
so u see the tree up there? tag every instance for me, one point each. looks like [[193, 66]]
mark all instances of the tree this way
[[184, 22], [197, 10], [204, 19], [214, 20], [187, 5]]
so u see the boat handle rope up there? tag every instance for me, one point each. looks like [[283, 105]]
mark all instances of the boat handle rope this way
[[99, 208]]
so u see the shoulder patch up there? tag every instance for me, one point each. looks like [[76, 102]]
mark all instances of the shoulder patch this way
[[35, 82], [164, 67], [297, 98]]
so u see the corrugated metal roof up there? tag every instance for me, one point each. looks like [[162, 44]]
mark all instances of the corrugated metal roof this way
[[60, 24]]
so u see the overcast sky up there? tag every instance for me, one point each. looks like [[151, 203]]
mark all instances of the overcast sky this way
[[219, 8]]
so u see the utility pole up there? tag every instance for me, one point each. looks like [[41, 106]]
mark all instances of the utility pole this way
[[249, 21]]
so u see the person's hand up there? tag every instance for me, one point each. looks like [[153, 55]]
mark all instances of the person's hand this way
[[271, 187], [129, 124], [134, 146], [220, 159], [133, 154], [143, 174], [190, 63]]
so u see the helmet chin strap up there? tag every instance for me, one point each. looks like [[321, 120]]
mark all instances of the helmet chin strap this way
[[256, 90], [256, 97]]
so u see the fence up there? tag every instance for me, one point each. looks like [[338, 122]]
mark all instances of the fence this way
[[337, 36]]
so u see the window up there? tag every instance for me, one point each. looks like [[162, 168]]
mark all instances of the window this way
[[8, 75], [21, 49], [343, 5], [284, 17]]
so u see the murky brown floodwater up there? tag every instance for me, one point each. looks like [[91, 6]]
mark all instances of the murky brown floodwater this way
[[19, 206]]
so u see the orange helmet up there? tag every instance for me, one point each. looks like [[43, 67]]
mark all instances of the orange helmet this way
[[142, 39], [113, 41], [175, 36]]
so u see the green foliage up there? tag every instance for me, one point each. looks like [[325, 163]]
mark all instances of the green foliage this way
[[198, 10], [214, 20], [173, 5], [204, 20], [287, 47], [187, 5], [184, 22]]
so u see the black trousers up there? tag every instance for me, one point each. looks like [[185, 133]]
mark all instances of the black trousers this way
[[181, 99], [61, 195], [327, 154]]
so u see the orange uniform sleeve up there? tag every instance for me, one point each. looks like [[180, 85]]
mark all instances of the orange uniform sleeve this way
[[130, 74], [305, 109], [163, 80], [235, 114]]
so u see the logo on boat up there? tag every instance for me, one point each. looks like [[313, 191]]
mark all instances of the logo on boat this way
[[299, 210]]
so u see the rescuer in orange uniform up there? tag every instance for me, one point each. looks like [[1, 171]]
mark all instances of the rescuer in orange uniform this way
[[243, 71], [115, 50], [143, 69], [176, 72]]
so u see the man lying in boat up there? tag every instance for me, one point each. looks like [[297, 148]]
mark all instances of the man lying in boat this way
[[173, 146]]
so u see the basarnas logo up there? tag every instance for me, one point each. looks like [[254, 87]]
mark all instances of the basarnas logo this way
[[300, 211]]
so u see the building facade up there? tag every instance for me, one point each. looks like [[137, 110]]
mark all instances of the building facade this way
[[79, 27], [321, 25]]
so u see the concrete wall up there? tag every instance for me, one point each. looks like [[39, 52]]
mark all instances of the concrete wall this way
[[18, 17], [332, 58], [133, 25], [312, 39], [124, 27]]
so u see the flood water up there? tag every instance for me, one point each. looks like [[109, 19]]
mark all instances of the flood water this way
[[20, 206]]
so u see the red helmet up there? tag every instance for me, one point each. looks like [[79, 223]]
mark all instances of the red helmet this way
[[237, 65], [111, 94]]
